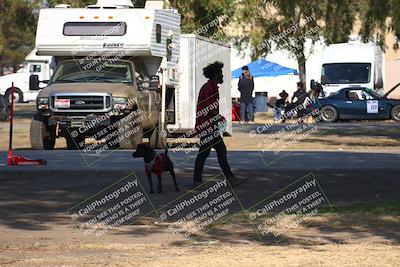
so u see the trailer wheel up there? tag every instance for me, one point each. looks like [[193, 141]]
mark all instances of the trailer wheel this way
[[158, 139], [41, 135], [395, 113], [75, 143], [130, 134], [329, 114], [18, 95]]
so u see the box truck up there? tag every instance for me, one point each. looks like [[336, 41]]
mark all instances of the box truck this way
[[119, 68], [351, 64]]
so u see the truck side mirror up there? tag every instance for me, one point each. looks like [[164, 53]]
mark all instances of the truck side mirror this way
[[34, 82]]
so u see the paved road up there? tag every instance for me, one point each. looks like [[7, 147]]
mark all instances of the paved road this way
[[346, 177]]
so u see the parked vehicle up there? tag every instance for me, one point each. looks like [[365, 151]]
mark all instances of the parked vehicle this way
[[38, 65], [351, 64], [357, 103], [114, 60]]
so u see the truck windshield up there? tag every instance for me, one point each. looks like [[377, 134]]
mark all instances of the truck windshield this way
[[93, 71], [346, 73]]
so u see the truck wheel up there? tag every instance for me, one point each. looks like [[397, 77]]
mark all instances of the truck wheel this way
[[18, 95], [41, 135], [158, 139], [395, 113], [130, 135], [329, 114], [74, 143]]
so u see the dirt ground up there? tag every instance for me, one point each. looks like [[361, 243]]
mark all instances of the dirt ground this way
[[362, 238]]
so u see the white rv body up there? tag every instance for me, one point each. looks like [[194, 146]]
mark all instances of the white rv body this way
[[129, 31], [196, 53], [350, 64], [39, 65]]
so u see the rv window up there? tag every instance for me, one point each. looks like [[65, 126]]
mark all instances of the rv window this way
[[158, 33], [94, 28], [346, 73]]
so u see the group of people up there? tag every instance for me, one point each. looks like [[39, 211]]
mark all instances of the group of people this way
[[282, 105], [298, 103]]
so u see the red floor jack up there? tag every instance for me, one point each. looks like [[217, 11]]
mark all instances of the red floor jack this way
[[18, 160]]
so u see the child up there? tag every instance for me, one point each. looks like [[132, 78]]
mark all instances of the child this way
[[280, 105]]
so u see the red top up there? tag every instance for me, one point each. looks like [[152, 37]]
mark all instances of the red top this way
[[157, 165], [207, 108]]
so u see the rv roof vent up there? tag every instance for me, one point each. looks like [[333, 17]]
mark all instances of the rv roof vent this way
[[62, 6], [112, 4]]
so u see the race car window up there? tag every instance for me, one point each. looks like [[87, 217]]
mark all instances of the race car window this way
[[354, 95]]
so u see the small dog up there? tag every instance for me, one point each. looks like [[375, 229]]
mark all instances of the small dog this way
[[155, 163]]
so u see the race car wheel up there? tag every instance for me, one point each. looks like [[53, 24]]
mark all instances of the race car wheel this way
[[395, 113], [329, 114]]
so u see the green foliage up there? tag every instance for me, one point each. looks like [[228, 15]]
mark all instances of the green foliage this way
[[73, 3], [271, 20], [196, 14], [17, 31], [375, 23]]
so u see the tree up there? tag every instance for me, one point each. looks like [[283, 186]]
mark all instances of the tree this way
[[197, 14], [73, 3], [17, 31], [379, 18], [288, 25]]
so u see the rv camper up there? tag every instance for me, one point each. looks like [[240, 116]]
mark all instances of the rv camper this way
[[118, 67]]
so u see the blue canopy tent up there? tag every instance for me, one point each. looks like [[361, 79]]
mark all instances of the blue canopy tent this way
[[261, 70], [265, 68]]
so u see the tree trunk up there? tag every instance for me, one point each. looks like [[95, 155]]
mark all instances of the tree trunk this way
[[302, 71], [301, 62]]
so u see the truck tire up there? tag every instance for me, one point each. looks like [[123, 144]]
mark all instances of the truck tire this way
[[42, 136], [18, 95], [130, 135], [74, 143], [395, 113], [329, 114], [158, 139]]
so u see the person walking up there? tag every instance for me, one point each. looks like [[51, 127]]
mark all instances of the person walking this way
[[210, 125], [246, 88]]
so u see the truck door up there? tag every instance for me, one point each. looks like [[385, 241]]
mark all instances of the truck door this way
[[39, 69], [144, 96]]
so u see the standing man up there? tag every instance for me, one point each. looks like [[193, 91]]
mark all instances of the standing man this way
[[298, 99], [210, 124], [246, 88]]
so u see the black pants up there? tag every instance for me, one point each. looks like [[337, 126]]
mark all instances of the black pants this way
[[206, 143]]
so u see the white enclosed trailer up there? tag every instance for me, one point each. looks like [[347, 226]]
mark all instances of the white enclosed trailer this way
[[197, 52]]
